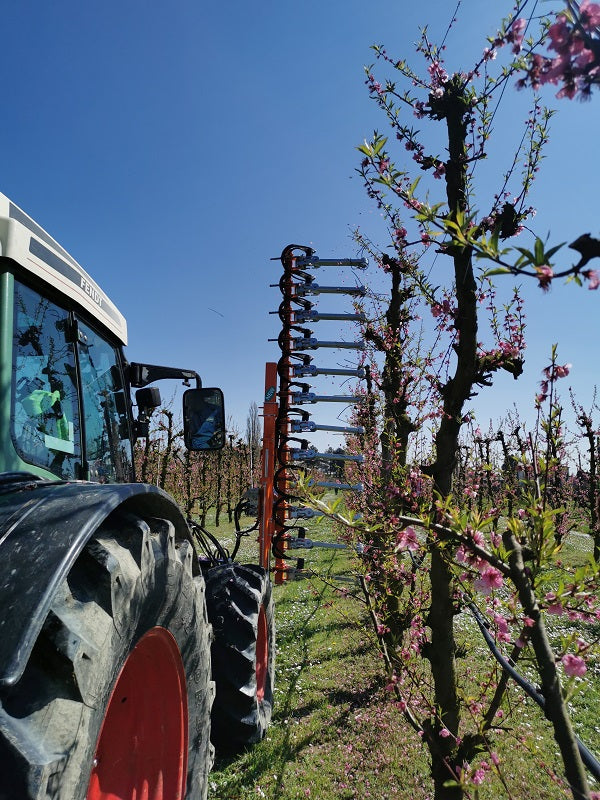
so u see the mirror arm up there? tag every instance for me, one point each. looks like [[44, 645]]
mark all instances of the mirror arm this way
[[141, 375]]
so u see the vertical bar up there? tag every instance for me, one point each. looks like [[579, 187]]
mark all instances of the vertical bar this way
[[288, 288], [270, 410]]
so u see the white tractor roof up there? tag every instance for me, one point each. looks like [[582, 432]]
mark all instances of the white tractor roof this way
[[24, 241]]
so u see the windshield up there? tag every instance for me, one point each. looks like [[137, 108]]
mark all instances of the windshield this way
[[44, 410], [107, 443]]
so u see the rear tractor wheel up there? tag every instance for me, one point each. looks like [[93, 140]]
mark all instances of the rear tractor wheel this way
[[114, 703], [240, 609]]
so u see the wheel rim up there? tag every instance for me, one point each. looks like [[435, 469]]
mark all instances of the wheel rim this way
[[262, 654], [146, 719]]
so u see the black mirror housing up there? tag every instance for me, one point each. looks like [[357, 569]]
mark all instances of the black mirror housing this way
[[203, 419], [148, 399]]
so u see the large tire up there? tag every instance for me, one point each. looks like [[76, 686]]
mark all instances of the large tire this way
[[240, 609], [115, 699]]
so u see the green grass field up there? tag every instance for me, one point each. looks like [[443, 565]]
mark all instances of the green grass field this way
[[336, 733]]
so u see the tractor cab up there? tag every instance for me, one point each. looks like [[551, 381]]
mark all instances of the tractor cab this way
[[65, 386]]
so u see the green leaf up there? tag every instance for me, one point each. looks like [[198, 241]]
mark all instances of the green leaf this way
[[527, 253], [379, 144], [494, 240], [413, 186], [553, 250], [539, 252]]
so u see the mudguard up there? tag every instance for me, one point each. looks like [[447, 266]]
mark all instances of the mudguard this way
[[43, 528]]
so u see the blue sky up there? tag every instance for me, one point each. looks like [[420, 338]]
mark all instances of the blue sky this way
[[175, 148]]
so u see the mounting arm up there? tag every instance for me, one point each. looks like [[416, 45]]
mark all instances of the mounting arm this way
[[141, 375]]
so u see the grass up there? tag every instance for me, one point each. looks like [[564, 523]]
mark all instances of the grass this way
[[331, 717], [585, 701], [335, 732]]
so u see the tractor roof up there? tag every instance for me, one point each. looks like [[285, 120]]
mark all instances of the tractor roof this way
[[24, 241]]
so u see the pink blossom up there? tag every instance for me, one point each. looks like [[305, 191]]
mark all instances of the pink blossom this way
[[465, 555], [491, 578], [438, 74], [407, 539], [516, 33], [586, 57], [501, 623], [556, 609], [477, 536], [591, 275], [562, 372], [502, 628], [545, 273], [574, 665], [576, 64], [445, 733], [478, 777], [559, 34], [590, 14], [568, 90]]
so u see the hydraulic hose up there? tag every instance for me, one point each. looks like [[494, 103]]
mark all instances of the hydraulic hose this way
[[588, 759]]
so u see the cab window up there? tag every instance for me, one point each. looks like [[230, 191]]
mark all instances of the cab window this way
[[107, 443], [44, 406]]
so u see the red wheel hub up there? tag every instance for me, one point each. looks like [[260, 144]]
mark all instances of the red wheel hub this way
[[262, 654], [141, 753]]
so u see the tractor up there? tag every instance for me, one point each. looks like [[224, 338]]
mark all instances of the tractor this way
[[131, 642]]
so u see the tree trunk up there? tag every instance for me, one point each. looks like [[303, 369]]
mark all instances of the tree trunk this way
[[555, 707], [455, 392]]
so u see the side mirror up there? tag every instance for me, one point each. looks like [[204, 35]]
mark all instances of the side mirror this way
[[203, 419]]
